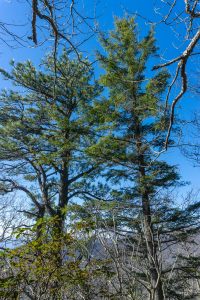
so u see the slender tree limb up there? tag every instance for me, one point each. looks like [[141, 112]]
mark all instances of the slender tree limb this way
[[181, 69]]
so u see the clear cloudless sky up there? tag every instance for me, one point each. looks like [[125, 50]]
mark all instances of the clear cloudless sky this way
[[19, 12]]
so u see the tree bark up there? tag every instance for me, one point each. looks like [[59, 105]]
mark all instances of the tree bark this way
[[151, 245]]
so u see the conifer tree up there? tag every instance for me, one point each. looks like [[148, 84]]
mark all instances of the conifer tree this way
[[44, 134], [134, 130]]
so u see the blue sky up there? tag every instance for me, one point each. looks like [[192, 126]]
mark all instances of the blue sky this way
[[20, 13]]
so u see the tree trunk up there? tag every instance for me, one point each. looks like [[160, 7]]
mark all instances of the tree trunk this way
[[151, 245], [58, 227]]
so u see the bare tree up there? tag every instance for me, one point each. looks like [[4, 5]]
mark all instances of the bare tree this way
[[183, 15], [55, 23], [63, 20]]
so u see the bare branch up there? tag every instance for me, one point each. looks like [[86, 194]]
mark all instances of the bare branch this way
[[181, 61]]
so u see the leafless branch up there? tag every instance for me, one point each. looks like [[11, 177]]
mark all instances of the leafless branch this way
[[181, 60]]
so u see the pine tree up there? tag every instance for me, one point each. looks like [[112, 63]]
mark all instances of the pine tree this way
[[133, 132], [44, 135]]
